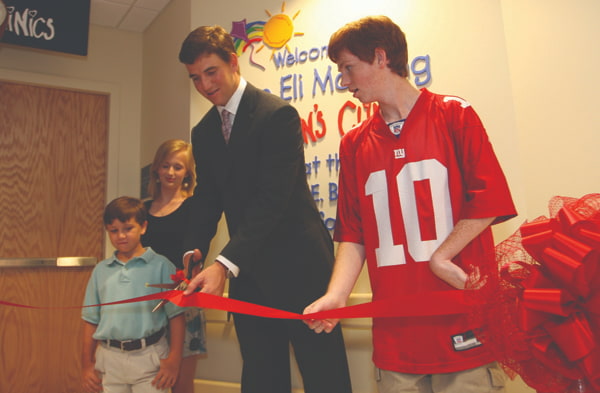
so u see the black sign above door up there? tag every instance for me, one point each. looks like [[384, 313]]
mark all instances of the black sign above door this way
[[57, 25]]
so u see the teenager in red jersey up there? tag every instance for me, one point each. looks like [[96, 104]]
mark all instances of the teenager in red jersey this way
[[419, 187]]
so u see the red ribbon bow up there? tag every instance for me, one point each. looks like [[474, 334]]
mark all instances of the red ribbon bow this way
[[558, 301], [179, 277]]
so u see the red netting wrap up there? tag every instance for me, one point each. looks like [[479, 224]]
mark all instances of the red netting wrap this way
[[548, 304]]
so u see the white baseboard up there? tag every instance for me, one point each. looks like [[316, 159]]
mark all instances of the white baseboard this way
[[204, 385]]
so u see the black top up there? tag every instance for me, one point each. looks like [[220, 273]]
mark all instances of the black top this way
[[166, 234]]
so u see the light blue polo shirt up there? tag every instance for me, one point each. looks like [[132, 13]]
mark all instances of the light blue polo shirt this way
[[113, 280]]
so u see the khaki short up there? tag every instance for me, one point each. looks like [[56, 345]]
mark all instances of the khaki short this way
[[485, 379]]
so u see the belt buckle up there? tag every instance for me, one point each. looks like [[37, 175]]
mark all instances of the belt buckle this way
[[123, 343]]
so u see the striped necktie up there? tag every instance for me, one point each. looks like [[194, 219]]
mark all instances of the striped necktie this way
[[226, 124]]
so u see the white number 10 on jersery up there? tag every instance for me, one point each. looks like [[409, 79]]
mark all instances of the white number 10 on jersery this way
[[388, 253]]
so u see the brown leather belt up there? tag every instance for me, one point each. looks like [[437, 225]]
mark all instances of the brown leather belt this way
[[132, 345]]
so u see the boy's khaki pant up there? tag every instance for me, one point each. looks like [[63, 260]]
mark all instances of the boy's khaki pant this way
[[485, 379], [130, 371]]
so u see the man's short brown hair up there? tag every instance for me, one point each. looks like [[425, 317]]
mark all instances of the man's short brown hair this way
[[206, 40], [363, 36]]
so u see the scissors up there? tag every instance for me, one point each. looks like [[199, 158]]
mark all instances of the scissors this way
[[182, 283]]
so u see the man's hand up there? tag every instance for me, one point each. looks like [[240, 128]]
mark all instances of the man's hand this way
[[193, 257], [327, 302], [90, 380], [463, 232], [211, 280], [448, 271], [167, 374]]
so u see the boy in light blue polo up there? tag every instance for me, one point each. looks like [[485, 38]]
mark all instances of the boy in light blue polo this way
[[125, 348]]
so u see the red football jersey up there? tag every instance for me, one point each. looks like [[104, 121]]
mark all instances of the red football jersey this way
[[400, 196]]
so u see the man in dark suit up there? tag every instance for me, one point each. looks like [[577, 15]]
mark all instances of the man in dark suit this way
[[279, 254]]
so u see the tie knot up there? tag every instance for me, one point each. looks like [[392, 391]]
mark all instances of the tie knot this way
[[225, 115]]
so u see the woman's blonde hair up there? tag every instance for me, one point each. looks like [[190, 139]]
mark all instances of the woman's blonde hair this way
[[164, 150]]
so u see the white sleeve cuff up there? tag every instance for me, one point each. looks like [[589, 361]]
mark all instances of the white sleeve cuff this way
[[235, 271]]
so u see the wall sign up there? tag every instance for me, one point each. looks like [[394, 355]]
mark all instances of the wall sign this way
[[295, 66], [58, 25]]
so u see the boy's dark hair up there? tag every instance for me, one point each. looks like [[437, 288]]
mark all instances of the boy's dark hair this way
[[363, 36], [124, 208], [206, 40]]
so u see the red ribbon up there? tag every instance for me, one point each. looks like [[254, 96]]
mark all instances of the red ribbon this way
[[558, 299], [436, 303]]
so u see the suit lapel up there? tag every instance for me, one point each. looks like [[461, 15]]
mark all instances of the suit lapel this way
[[243, 117]]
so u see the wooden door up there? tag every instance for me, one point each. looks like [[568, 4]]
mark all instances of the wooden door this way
[[53, 149]]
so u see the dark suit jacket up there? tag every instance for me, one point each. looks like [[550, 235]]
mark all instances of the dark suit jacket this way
[[258, 180]]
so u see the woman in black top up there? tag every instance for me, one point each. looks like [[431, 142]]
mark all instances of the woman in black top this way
[[172, 182]]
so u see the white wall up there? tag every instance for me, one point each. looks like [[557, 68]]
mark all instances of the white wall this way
[[165, 83], [554, 62]]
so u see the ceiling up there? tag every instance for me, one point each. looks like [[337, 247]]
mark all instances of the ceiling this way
[[131, 15]]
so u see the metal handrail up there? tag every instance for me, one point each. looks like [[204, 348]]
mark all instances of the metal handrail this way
[[48, 262]]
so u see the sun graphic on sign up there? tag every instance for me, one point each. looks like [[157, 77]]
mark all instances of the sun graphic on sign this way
[[274, 33], [279, 29]]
